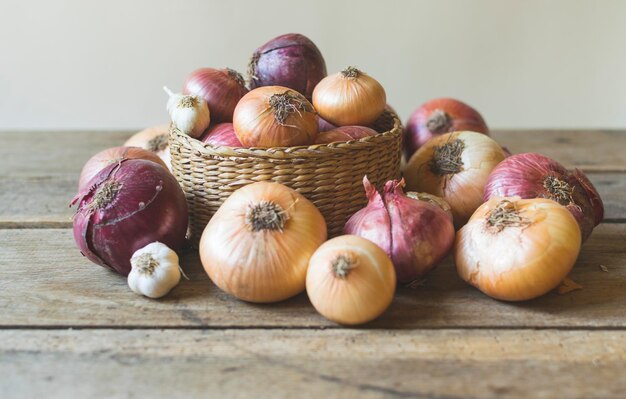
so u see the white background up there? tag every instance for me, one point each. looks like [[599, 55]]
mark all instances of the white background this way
[[524, 64]]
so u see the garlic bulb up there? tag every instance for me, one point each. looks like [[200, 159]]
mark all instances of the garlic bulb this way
[[190, 114], [155, 270]]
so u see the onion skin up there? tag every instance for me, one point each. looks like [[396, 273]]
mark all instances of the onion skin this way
[[519, 262], [525, 175], [221, 89], [222, 134], [153, 139], [110, 156], [460, 117], [462, 190], [363, 293], [148, 205], [345, 133], [291, 60], [267, 264], [257, 124], [415, 234]]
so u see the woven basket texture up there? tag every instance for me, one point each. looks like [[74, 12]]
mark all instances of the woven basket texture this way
[[329, 175]]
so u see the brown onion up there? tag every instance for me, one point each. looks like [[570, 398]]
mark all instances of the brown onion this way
[[125, 207], [153, 139], [110, 156], [221, 89], [275, 116], [222, 134], [415, 234], [345, 133], [290, 60], [439, 116], [532, 175]]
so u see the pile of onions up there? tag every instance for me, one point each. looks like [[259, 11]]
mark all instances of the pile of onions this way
[[258, 244], [455, 166], [290, 60], [439, 116], [222, 134], [415, 234], [517, 249], [125, 207], [350, 97], [350, 280], [221, 89], [274, 116], [532, 175], [111, 156], [153, 139], [344, 133]]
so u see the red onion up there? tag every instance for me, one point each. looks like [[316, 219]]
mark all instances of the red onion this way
[[221, 89], [532, 175], [323, 125], [439, 116], [110, 156], [124, 208], [415, 234], [345, 133], [222, 134], [290, 60]]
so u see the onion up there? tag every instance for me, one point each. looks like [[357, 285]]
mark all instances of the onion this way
[[222, 134], [153, 139], [350, 280], [432, 199], [439, 116], [517, 249], [127, 206], [415, 234], [454, 166], [275, 116], [258, 244], [345, 133], [532, 175], [290, 60], [110, 156], [221, 89], [349, 97], [323, 125]]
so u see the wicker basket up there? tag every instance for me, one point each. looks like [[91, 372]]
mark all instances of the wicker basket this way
[[330, 175]]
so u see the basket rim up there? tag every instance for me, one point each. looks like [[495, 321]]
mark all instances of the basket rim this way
[[313, 149]]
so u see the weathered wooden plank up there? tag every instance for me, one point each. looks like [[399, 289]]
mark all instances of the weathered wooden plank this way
[[590, 150], [31, 201], [45, 282], [306, 363], [31, 153]]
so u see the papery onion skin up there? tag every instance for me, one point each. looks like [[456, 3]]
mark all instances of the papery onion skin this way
[[221, 89], [267, 264], [431, 199], [257, 122], [350, 97], [344, 133], [519, 262], [222, 134], [462, 189], [127, 206], [110, 156], [363, 293], [532, 175], [439, 116], [153, 139], [291, 60]]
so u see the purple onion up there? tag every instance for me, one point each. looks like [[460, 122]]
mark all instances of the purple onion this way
[[323, 125], [290, 60], [344, 133], [127, 206], [222, 134]]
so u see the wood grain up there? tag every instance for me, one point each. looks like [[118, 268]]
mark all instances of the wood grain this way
[[309, 363], [58, 287]]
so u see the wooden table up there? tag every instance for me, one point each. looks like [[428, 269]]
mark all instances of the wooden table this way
[[69, 328]]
